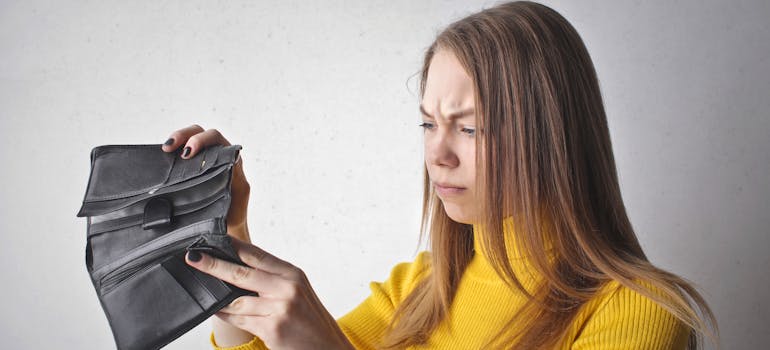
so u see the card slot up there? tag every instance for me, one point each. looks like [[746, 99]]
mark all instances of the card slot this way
[[186, 278], [156, 288], [188, 168]]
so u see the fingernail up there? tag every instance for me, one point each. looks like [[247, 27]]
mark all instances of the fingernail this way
[[194, 256], [169, 142], [186, 152]]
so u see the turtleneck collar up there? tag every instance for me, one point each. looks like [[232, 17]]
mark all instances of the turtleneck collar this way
[[510, 241], [481, 265]]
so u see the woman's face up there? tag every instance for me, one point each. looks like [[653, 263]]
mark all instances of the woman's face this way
[[448, 114]]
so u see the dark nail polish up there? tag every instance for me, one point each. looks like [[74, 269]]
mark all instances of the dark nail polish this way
[[169, 142], [186, 152], [194, 256]]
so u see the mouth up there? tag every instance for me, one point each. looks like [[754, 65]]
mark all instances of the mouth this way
[[446, 189]]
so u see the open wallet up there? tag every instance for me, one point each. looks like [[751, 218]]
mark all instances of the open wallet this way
[[146, 208]]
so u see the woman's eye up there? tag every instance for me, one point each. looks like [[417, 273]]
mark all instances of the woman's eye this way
[[430, 126], [426, 126]]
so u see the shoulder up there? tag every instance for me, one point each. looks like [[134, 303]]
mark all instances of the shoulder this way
[[622, 318], [403, 277], [368, 321]]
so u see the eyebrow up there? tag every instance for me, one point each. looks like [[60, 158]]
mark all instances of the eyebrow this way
[[450, 116]]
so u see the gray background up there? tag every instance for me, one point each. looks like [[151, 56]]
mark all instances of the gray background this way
[[323, 98]]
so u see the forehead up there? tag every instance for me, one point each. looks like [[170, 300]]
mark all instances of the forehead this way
[[448, 86]]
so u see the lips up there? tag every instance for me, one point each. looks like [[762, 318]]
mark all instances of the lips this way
[[447, 185], [446, 189]]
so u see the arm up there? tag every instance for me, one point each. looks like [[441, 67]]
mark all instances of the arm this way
[[628, 320], [227, 337], [366, 324], [287, 313]]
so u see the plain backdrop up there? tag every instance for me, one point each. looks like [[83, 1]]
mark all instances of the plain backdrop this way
[[323, 97]]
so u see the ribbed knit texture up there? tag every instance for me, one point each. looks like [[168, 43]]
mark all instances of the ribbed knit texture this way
[[617, 318]]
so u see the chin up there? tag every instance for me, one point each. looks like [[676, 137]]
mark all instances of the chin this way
[[456, 213]]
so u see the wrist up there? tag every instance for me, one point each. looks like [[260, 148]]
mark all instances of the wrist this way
[[239, 231], [227, 335]]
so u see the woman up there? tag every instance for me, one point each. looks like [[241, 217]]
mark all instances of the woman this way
[[531, 247]]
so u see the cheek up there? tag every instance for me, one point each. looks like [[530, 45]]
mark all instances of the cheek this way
[[426, 152], [469, 158], [468, 155]]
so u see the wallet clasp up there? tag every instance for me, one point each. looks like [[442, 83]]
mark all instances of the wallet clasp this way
[[157, 213]]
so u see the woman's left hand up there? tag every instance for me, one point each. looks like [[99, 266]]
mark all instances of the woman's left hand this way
[[287, 314]]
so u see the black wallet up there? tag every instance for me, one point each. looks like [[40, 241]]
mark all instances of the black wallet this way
[[146, 208]]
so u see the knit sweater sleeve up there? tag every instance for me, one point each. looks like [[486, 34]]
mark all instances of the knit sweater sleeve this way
[[626, 319], [254, 344], [365, 325]]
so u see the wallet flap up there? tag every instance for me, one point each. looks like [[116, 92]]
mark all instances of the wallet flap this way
[[120, 174]]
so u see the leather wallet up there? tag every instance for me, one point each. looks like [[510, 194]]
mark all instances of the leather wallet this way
[[146, 208]]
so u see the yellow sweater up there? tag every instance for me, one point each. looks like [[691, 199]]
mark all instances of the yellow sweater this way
[[617, 318]]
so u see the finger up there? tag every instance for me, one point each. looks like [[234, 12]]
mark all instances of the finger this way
[[179, 137], [201, 140], [259, 259], [250, 306], [242, 276]]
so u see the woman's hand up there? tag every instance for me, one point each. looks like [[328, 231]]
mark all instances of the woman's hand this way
[[194, 139], [287, 314]]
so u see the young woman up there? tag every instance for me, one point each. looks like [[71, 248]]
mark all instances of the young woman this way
[[530, 244]]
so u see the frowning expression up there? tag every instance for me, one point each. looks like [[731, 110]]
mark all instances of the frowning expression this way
[[449, 118]]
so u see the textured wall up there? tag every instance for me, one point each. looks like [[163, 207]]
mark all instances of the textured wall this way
[[322, 96]]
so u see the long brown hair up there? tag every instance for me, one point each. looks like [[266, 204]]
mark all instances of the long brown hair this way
[[544, 157]]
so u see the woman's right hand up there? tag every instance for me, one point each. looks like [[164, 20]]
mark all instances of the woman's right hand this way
[[194, 138]]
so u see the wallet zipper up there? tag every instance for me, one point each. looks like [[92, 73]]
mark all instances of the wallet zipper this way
[[190, 237], [115, 278]]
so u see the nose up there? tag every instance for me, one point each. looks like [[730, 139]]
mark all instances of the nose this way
[[439, 150]]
